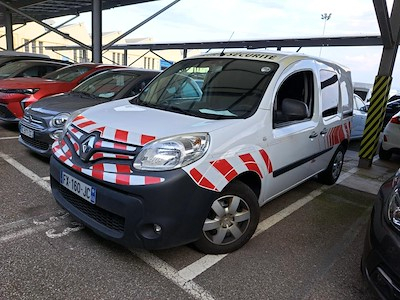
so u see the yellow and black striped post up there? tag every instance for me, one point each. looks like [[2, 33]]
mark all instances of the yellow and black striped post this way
[[373, 125]]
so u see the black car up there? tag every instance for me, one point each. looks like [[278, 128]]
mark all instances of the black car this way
[[30, 68], [381, 257], [43, 120], [392, 108]]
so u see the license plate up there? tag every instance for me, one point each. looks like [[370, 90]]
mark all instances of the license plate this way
[[79, 188], [26, 131]]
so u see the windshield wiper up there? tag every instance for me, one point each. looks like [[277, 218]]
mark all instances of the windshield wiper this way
[[86, 94]]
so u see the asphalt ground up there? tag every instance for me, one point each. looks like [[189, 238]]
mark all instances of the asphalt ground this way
[[308, 244]]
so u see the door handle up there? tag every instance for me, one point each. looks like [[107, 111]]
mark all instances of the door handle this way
[[313, 135], [324, 131]]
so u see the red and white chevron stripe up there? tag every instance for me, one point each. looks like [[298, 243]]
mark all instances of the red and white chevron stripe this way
[[337, 134], [113, 134], [215, 175]]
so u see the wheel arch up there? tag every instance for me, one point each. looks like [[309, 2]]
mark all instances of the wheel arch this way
[[252, 180]]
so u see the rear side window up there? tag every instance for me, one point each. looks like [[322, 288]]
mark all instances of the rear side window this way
[[329, 93], [68, 74]]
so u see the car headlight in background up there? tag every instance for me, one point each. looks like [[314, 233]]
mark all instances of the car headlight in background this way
[[173, 152], [59, 120], [394, 209], [394, 202], [69, 121]]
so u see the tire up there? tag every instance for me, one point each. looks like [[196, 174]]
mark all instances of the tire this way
[[384, 154], [231, 221], [332, 173]]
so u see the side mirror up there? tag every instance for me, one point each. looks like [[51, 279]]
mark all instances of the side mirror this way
[[294, 109]]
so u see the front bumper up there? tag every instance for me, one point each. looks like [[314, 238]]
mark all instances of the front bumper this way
[[6, 114], [381, 256], [128, 214]]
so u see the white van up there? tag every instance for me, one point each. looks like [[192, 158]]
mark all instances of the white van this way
[[210, 140]]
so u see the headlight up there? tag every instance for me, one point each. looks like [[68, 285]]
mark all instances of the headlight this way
[[171, 153], [394, 209], [69, 121], [59, 120]]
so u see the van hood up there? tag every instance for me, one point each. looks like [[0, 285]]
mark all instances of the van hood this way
[[123, 116]]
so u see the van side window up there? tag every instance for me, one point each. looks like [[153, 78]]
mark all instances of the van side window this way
[[294, 101], [329, 93]]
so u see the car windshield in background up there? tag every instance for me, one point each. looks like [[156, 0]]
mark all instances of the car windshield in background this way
[[11, 68], [212, 88], [67, 74], [105, 85]]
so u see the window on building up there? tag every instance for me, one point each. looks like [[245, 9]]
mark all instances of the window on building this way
[[152, 63], [82, 56], [145, 61], [41, 48], [33, 46], [75, 56], [26, 43]]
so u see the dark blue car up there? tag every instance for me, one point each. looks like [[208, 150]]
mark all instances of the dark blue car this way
[[381, 257]]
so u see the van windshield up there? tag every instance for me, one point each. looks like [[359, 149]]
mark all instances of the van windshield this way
[[212, 88]]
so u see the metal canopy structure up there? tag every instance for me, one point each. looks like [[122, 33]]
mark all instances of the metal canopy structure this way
[[47, 9], [374, 40]]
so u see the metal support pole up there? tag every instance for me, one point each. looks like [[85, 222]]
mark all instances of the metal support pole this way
[[96, 31], [380, 91], [185, 51], [64, 35], [9, 30]]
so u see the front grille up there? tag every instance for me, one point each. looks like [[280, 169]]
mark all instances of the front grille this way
[[32, 120], [35, 143], [5, 113], [96, 213]]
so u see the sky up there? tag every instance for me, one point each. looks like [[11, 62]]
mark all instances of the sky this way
[[221, 20]]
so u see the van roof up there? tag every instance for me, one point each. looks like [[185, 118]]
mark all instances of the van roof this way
[[273, 56]]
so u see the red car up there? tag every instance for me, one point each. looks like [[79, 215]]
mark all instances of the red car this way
[[18, 93]]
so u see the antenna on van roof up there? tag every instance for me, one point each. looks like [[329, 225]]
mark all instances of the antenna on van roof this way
[[222, 52]]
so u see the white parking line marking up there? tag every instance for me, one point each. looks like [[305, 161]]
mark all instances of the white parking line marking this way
[[184, 277], [47, 178], [170, 273], [198, 267], [51, 233], [8, 138], [156, 263], [52, 219], [28, 173]]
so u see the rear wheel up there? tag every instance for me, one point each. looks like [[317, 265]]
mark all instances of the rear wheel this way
[[332, 173], [231, 221], [384, 154]]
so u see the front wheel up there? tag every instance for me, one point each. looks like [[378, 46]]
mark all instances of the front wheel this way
[[231, 221], [332, 173]]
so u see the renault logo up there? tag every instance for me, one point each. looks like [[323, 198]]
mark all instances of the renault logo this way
[[86, 146]]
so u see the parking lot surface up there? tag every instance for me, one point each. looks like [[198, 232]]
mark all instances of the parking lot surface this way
[[308, 244]]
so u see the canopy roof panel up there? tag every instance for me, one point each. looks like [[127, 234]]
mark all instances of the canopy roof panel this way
[[46, 9]]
